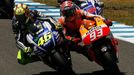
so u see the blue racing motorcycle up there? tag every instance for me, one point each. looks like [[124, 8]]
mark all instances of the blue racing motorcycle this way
[[92, 6], [48, 45]]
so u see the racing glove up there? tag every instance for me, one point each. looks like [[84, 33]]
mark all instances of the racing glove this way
[[28, 50], [58, 27]]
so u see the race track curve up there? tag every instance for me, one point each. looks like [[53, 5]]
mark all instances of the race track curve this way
[[9, 65]]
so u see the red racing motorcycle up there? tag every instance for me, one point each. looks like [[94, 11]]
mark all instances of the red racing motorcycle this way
[[100, 44]]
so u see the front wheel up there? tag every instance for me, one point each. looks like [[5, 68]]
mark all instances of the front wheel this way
[[110, 65], [62, 63]]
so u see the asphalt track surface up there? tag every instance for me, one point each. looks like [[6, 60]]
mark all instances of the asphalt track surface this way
[[9, 65]]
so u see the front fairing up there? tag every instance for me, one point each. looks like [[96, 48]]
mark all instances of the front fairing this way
[[95, 33], [47, 40], [91, 35]]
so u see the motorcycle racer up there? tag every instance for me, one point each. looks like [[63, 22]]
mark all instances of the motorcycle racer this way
[[73, 18], [76, 24], [22, 24]]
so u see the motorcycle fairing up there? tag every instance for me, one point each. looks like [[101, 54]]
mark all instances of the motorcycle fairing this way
[[98, 31], [45, 40], [89, 7]]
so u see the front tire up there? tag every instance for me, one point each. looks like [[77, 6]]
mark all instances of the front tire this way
[[63, 66], [110, 65]]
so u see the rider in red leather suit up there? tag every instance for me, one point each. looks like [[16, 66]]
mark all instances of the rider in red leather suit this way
[[71, 21]]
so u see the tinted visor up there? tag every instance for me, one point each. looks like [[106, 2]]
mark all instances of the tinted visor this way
[[68, 12]]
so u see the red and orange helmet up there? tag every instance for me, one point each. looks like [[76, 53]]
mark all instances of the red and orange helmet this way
[[68, 8]]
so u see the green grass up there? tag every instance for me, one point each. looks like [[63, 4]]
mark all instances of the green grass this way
[[117, 10]]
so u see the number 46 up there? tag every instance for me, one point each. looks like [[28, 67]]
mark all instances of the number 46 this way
[[44, 39]]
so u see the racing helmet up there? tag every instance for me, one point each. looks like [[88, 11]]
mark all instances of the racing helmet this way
[[21, 12], [68, 8]]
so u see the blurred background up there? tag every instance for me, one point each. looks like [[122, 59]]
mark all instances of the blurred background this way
[[117, 10]]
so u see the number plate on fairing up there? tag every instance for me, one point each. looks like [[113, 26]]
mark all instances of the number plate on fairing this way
[[95, 32]]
